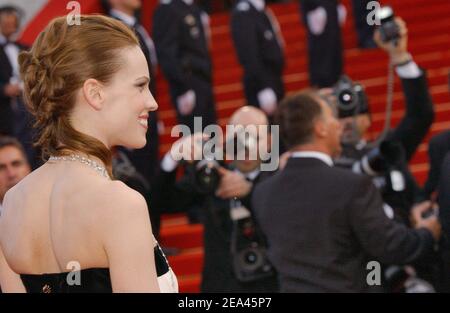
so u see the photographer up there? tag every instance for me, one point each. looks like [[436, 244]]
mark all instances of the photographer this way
[[324, 224], [387, 161], [438, 148], [233, 247], [443, 201]]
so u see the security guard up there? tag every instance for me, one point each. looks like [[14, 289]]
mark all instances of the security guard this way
[[361, 10], [259, 46], [181, 34], [322, 22]]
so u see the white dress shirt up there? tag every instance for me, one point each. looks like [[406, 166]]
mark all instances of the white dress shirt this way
[[127, 19], [258, 4], [313, 154]]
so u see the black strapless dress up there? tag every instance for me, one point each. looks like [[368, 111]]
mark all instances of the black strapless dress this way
[[94, 280]]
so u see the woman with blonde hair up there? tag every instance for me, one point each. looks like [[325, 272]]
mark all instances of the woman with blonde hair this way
[[68, 226]]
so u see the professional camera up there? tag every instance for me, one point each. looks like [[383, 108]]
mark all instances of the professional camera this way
[[379, 160], [204, 173], [351, 98], [389, 30], [248, 249], [206, 177]]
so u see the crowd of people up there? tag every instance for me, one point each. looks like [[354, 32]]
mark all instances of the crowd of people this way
[[335, 203]]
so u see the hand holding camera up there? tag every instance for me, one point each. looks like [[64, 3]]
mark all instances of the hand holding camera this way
[[423, 215], [392, 37], [232, 184], [188, 148]]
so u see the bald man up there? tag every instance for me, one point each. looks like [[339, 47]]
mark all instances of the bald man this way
[[230, 265], [249, 116]]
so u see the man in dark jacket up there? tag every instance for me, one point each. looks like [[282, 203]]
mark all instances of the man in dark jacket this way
[[15, 120], [182, 37], [443, 201], [322, 22], [438, 147], [10, 89], [324, 224], [407, 135], [259, 46], [221, 267]]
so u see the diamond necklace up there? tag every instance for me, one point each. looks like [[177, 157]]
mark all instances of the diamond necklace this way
[[77, 158]]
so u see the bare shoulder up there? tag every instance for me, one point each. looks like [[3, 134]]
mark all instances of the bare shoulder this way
[[120, 205], [117, 196], [9, 200]]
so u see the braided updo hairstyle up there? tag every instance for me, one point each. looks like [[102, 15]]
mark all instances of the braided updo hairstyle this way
[[61, 59]]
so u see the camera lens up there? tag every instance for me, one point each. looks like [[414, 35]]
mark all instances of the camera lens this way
[[251, 257], [347, 100], [346, 97], [207, 177]]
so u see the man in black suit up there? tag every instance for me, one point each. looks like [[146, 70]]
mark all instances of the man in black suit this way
[[15, 120], [438, 148], [322, 22], [182, 37], [259, 46], [322, 223], [443, 201], [221, 226], [407, 135], [364, 30], [10, 88]]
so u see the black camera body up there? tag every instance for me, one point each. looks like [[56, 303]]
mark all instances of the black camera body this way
[[379, 159], [389, 30], [205, 174], [248, 251], [382, 162], [351, 98], [206, 177]]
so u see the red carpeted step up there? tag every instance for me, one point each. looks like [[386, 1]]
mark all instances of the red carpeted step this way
[[188, 261], [182, 236], [189, 284]]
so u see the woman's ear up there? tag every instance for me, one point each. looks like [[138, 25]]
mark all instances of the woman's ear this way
[[93, 93]]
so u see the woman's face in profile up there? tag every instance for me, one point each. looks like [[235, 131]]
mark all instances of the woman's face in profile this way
[[129, 101]]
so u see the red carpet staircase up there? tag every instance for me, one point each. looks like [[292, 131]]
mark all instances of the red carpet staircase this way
[[429, 28]]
